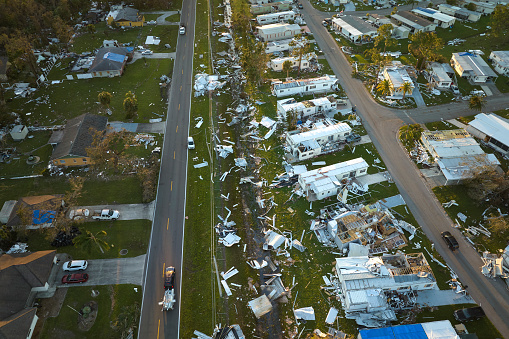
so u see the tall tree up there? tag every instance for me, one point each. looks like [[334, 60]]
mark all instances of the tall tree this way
[[500, 20], [300, 47], [405, 87], [20, 51], [477, 102], [287, 66], [425, 46], [88, 240], [384, 38], [130, 105], [104, 98], [384, 87], [109, 150], [484, 183], [254, 61]]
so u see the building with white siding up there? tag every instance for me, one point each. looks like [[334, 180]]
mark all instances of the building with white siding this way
[[276, 64], [308, 144], [472, 67], [441, 19], [304, 86], [272, 18], [306, 108], [459, 12], [413, 22], [500, 61], [354, 29], [493, 130], [325, 182], [278, 31], [440, 75]]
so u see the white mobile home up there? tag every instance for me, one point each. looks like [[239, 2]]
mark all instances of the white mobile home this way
[[500, 61], [492, 129], [472, 67], [325, 182], [459, 12], [277, 63], [278, 46], [308, 144], [279, 31], [413, 22], [305, 86], [483, 7], [441, 19], [272, 18], [397, 76], [308, 107], [440, 75], [354, 29]]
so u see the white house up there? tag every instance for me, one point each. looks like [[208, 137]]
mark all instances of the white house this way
[[272, 18], [354, 28], [500, 61], [440, 75], [278, 46], [441, 19], [308, 144], [308, 107], [413, 22], [472, 67], [364, 281], [277, 31], [457, 153], [483, 7], [304, 86], [325, 182], [397, 76], [277, 63], [459, 12], [492, 129]]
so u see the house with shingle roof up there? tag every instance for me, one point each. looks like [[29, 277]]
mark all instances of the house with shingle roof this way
[[38, 210], [21, 276], [70, 147], [109, 62], [126, 16]]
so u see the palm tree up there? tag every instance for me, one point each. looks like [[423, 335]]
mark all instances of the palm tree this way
[[406, 87], [477, 102], [88, 240], [384, 87], [104, 98], [287, 66]]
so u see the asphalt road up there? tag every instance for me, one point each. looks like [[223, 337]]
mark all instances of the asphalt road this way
[[166, 243], [382, 124]]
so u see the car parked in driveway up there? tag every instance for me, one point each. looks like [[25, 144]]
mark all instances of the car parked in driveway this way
[[147, 52], [75, 265], [75, 278], [450, 240]]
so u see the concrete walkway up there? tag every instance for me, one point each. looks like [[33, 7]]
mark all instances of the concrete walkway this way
[[111, 272], [419, 100], [442, 297], [457, 123], [128, 211]]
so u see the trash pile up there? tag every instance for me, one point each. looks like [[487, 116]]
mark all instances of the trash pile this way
[[227, 332], [496, 265], [204, 83], [19, 247]]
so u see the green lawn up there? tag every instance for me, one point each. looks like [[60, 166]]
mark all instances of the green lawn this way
[[133, 235], [55, 103], [121, 190], [482, 327], [502, 83], [167, 34], [87, 42], [173, 18], [111, 302]]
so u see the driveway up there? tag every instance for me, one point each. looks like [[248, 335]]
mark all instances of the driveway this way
[[128, 211], [155, 127], [161, 20], [416, 94], [111, 272], [137, 55]]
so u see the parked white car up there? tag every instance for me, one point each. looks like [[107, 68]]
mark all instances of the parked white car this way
[[75, 265], [190, 143], [147, 52]]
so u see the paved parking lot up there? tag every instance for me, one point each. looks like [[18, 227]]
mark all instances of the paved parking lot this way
[[111, 272]]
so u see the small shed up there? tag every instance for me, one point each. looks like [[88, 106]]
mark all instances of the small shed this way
[[19, 132]]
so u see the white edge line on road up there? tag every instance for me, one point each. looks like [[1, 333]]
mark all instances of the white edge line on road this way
[[187, 167], [155, 204]]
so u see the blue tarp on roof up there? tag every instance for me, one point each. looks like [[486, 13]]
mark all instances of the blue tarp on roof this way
[[129, 49], [43, 217], [414, 331], [426, 10], [114, 57]]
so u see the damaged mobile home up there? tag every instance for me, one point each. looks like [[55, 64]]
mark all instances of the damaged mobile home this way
[[372, 289]]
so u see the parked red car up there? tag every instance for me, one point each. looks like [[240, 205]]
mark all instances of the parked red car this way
[[75, 278]]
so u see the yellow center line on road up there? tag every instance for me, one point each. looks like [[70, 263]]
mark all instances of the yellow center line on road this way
[[168, 224], [182, 71], [177, 129], [173, 154], [158, 324], [181, 88], [171, 188], [179, 107], [164, 264], [185, 45]]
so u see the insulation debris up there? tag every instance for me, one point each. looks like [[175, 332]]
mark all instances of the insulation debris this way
[[305, 313], [204, 82], [224, 151], [260, 306], [331, 316]]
